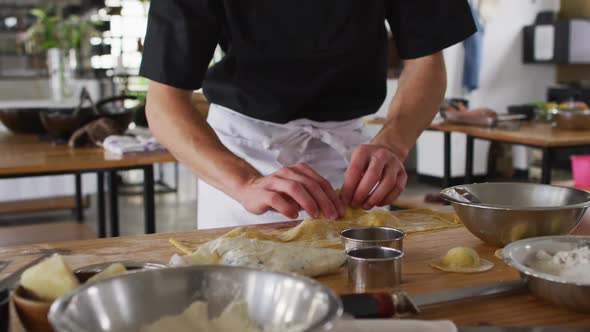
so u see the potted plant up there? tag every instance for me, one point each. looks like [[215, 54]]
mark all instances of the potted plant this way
[[73, 31], [60, 39]]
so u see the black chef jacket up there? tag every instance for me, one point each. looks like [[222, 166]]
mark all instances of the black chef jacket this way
[[324, 60]]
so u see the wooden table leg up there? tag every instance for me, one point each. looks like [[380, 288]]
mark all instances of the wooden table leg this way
[[469, 159], [546, 168], [79, 204], [149, 199], [100, 205], [114, 203], [447, 159]]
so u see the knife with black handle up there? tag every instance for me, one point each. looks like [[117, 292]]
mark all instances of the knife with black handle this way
[[400, 304]]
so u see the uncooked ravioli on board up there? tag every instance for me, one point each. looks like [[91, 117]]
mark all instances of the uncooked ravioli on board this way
[[326, 233]]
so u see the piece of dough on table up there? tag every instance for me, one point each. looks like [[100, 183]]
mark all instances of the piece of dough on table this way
[[286, 257], [326, 233]]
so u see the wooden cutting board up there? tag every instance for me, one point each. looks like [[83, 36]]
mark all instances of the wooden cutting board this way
[[418, 277]]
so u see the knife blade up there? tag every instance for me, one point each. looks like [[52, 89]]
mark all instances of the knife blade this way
[[468, 292]]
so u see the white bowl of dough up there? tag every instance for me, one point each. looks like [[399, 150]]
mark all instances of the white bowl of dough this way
[[198, 298]]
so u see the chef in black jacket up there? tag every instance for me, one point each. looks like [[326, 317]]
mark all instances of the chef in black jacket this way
[[284, 127]]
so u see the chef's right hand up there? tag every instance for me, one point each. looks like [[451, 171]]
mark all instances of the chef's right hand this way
[[289, 190]]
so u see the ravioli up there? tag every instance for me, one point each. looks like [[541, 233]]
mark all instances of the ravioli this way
[[461, 260]]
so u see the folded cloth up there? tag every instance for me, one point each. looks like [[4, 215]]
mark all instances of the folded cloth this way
[[121, 145], [397, 325]]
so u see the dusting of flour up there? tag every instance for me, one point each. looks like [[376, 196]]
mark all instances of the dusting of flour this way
[[572, 265], [234, 317], [196, 318]]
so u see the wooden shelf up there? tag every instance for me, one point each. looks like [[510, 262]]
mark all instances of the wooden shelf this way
[[45, 233], [416, 202], [40, 204]]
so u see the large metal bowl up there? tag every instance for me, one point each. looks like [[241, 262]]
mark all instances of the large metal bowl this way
[[570, 295], [128, 302], [512, 211]]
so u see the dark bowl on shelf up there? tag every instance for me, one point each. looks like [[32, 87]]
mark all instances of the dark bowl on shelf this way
[[61, 123], [23, 121], [122, 116]]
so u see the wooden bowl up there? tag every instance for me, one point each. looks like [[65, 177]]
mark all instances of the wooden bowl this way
[[33, 312], [23, 121]]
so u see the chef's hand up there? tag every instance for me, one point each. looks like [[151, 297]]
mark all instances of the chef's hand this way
[[289, 190], [375, 177]]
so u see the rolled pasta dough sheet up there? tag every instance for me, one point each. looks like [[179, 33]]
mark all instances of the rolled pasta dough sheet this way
[[286, 257]]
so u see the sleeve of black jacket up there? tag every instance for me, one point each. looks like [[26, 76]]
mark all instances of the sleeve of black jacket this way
[[180, 41], [424, 27]]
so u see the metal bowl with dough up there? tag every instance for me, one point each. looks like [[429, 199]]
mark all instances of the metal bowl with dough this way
[[567, 294], [130, 302], [512, 211]]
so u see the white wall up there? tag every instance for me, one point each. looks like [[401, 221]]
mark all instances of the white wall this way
[[504, 80]]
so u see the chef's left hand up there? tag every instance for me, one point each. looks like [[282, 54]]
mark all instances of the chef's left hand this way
[[373, 166]]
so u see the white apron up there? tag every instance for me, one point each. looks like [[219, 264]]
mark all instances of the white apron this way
[[325, 146]]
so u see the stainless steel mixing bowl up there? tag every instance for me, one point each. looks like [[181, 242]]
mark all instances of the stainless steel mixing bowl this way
[[128, 302], [570, 295], [512, 211], [129, 265]]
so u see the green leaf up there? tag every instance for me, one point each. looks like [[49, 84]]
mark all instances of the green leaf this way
[[38, 13]]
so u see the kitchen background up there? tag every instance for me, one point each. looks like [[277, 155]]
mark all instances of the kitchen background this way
[[106, 37]]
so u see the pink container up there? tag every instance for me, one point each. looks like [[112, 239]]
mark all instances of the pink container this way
[[581, 171]]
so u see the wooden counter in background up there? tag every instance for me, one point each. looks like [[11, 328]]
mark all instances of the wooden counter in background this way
[[533, 134], [28, 155], [418, 277]]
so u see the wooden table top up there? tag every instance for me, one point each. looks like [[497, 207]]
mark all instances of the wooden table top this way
[[26, 154], [535, 134], [418, 277]]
